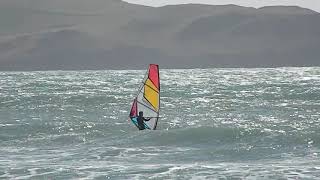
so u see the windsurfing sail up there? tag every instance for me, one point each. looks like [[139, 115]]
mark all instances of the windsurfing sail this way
[[148, 99]]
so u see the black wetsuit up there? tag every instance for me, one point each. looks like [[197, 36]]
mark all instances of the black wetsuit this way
[[141, 120]]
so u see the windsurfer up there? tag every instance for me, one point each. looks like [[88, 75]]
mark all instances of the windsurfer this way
[[141, 120]]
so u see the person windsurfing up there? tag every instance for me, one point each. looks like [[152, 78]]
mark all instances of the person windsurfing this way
[[147, 100], [141, 120]]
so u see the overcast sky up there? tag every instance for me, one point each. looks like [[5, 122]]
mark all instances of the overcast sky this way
[[311, 4]]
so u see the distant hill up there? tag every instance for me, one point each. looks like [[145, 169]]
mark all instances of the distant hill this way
[[100, 34]]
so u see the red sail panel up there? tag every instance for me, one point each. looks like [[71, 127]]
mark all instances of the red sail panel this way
[[134, 110], [154, 75]]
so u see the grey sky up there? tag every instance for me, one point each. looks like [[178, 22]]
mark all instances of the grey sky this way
[[311, 4]]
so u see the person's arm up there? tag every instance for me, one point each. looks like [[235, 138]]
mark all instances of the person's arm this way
[[146, 119]]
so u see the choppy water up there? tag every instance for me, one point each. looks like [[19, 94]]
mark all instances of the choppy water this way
[[216, 123]]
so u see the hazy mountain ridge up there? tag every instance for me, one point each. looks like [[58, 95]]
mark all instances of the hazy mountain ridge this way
[[117, 35]]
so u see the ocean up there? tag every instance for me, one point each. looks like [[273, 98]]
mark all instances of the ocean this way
[[228, 123]]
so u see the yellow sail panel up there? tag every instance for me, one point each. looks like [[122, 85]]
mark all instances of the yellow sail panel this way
[[151, 85], [151, 94]]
